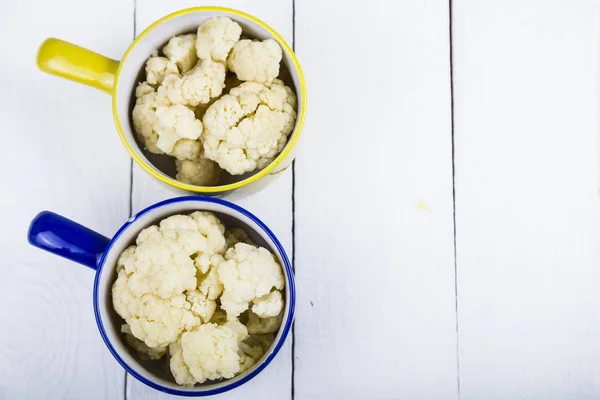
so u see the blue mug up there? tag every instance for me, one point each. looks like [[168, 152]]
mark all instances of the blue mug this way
[[63, 237]]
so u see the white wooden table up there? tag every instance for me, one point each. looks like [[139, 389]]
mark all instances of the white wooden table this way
[[443, 211]]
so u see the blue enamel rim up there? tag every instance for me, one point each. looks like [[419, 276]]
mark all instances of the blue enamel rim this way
[[290, 281]]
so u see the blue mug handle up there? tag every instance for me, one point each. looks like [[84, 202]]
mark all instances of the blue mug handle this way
[[63, 237]]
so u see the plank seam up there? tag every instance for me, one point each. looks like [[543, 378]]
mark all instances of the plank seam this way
[[293, 197], [454, 197], [130, 178]]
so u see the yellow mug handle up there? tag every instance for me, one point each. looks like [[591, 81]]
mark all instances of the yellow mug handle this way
[[70, 61]]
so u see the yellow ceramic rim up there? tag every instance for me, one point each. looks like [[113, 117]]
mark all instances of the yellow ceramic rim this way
[[223, 188]]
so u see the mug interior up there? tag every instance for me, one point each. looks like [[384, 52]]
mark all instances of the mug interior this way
[[157, 373], [154, 38]]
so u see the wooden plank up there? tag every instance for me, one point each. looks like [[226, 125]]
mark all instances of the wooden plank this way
[[528, 212], [374, 227], [51, 346], [273, 204]]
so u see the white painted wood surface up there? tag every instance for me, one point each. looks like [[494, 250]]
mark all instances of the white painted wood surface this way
[[527, 198], [50, 346], [374, 229]]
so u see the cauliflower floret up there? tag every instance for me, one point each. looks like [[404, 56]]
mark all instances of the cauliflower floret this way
[[204, 82], [240, 329], [258, 325], [152, 319], [269, 305], [170, 90], [159, 321], [255, 352], [248, 272], [247, 128], [165, 128], [175, 123], [184, 230], [125, 303], [179, 368], [230, 82], [234, 236], [210, 226], [187, 149], [153, 275], [201, 232], [143, 88], [216, 37], [182, 51], [159, 67], [204, 262], [197, 86], [209, 352], [232, 305], [144, 116], [144, 352], [158, 266], [200, 171], [150, 233], [255, 61], [210, 285], [246, 362], [200, 305], [252, 349]]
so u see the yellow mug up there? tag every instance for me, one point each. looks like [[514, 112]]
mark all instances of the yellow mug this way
[[119, 78]]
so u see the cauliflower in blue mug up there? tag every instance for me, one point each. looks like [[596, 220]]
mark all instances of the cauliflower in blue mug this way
[[206, 295]]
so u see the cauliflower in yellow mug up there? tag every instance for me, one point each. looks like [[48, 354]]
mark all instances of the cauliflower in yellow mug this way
[[182, 103], [194, 65], [208, 293]]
